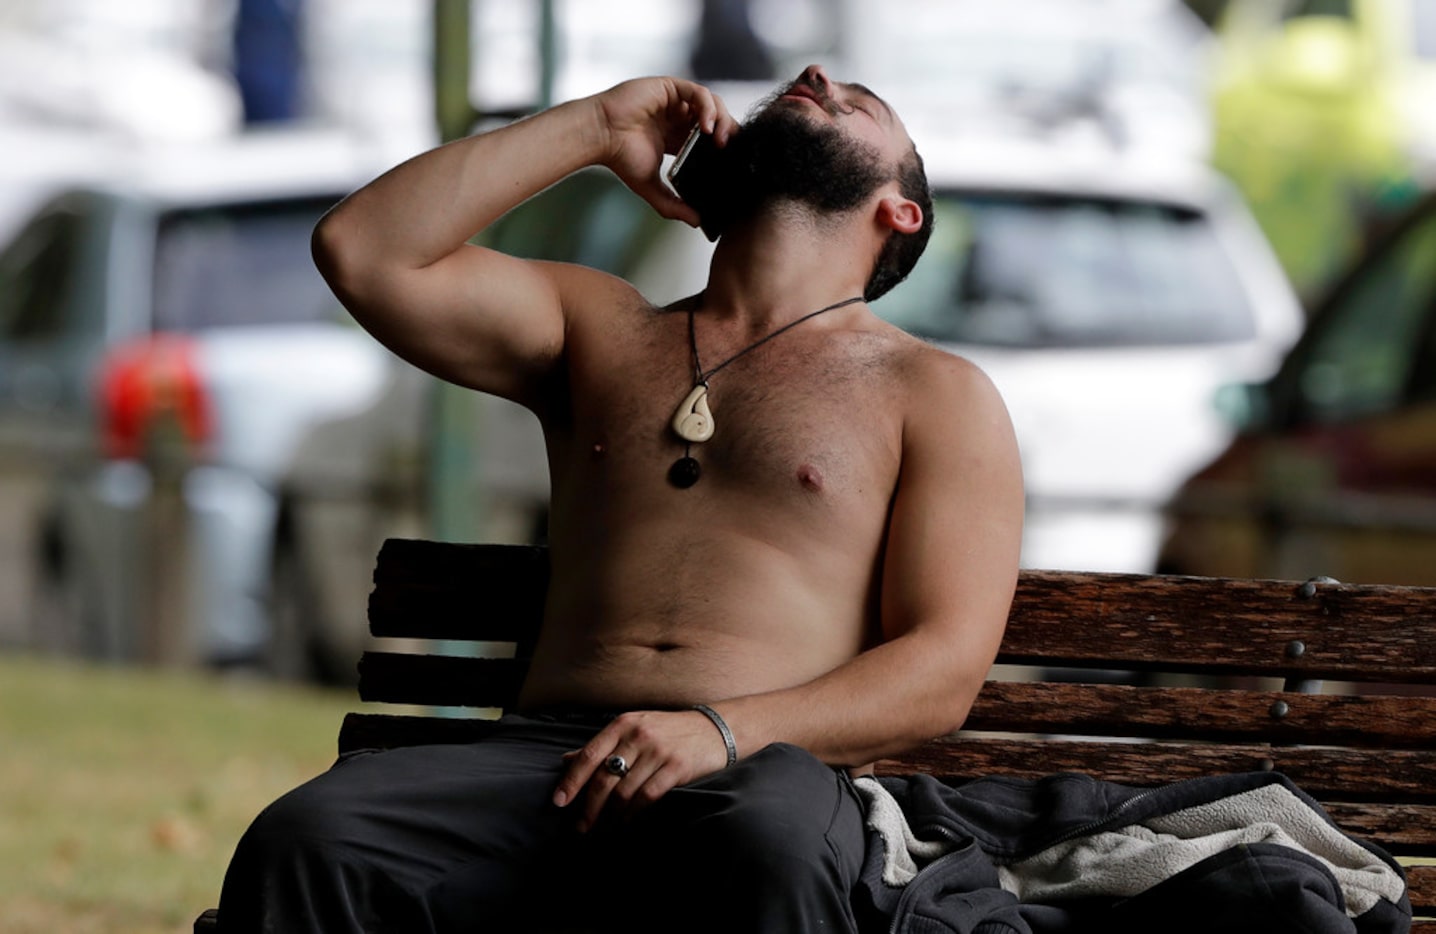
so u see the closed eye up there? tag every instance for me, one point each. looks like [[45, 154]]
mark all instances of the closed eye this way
[[870, 104], [864, 108]]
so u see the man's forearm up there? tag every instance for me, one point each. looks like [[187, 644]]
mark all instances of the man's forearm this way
[[888, 699], [429, 206]]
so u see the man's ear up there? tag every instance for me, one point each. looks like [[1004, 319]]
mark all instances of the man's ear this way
[[900, 214]]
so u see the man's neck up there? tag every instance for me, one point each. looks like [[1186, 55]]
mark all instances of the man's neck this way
[[783, 264]]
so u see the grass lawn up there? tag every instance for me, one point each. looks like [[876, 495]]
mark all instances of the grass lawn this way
[[123, 791]]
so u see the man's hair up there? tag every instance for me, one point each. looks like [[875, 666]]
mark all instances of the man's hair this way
[[901, 251]]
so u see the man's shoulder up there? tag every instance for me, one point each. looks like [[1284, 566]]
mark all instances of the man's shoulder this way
[[594, 299], [581, 284], [946, 397], [926, 368]]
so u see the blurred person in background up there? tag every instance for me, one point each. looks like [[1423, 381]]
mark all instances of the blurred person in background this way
[[751, 597]]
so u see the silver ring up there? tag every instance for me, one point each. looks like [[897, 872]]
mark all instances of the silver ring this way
[[616, 765]]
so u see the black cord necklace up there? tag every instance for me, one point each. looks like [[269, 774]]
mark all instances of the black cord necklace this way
[[693, 421]]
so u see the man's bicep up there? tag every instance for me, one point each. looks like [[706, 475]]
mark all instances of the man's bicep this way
[[955, 534], [476, 317]]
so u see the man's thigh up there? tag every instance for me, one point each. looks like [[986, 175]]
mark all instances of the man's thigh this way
[[446, 831], [458, 802], [774, 843]]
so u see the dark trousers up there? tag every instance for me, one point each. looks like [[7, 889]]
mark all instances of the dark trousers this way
[[465, 838]]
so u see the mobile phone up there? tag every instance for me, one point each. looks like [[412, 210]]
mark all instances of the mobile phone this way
[[697, 174]]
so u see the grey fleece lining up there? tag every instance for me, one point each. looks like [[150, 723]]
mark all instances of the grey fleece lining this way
[[1132, 859]]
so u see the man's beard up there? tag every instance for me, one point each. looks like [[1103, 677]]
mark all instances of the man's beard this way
[[782, 156]]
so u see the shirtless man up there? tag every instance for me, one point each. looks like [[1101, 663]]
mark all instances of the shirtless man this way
[[831, 582]]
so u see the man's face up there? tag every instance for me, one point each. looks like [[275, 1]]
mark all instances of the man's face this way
[[791, 157], [816, 144]]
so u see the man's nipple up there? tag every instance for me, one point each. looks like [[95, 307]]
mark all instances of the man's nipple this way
[[811, 478]]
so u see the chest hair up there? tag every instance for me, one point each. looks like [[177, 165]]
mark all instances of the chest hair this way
[[818, 409]]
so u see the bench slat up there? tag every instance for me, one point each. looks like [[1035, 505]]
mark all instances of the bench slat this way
[[1404, 829], [1421, 889], [1344, 631], [1026, 707], [421, 613], [1192, 713], [1347, 632], [393, 731], [1397, 776], [440, 680], [462, 568], [441, 590]]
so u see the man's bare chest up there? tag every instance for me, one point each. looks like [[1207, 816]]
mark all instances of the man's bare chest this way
[[817, 413]]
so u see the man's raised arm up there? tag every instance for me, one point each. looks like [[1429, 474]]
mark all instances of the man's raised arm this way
[[396, 254]]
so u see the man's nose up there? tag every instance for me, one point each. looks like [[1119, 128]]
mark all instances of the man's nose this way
[[815, 77]]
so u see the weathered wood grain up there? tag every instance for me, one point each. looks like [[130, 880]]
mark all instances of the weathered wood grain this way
[[1193, 713], [1404, 829], [1336, 631], [1421, 889], [1406, 776]]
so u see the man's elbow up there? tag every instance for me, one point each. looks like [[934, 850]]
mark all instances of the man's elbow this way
[[955, 693], [329, 246], [340, 256], [950, 717]]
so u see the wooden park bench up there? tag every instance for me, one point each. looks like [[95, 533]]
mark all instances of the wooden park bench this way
[[1333, 684]]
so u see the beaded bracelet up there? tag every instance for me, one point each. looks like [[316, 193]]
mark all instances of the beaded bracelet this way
[[728, 742]]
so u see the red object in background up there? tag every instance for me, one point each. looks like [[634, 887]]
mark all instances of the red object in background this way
[[146, 381]]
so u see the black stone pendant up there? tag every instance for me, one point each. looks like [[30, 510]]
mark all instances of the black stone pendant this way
[[684, 472]]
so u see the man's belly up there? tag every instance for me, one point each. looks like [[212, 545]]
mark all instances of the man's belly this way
[[620, 674], [673, 640], [727, 596]]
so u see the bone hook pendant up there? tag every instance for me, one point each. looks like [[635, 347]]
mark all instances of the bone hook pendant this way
[[693, 422]]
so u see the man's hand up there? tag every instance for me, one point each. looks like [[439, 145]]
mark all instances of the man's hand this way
[[663, 749], [648, 117]]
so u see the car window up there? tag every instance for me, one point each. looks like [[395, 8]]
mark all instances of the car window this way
[[1025, 271], [235, 265], [1360, 358], [37, 273]]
